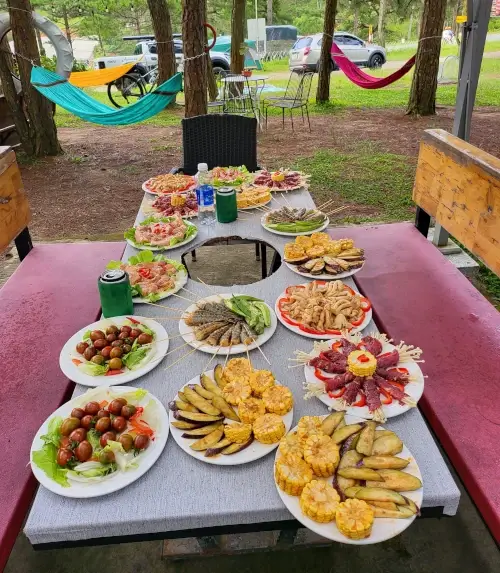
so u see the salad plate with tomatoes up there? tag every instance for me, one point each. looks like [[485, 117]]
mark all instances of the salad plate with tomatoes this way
[[114, 351], [99, 442]]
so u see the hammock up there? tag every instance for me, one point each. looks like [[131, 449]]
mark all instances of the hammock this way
[[77, 102], [99, 77], [362, 79]]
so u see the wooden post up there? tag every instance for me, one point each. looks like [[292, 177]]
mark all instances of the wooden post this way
[[237, 36], [325, 58], [195, 70]]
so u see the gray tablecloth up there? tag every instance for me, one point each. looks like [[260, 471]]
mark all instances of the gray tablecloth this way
[[179, 492]]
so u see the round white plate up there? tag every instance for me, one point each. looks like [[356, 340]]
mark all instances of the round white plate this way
[[383, 528], [318, 230], [147, 208], [72, 371], [253, 452], [118, 480], [296, 329], [323, 276], [147, 190], [165, 248], [256, 206], [188, 335], [180, 280], [414, 389]]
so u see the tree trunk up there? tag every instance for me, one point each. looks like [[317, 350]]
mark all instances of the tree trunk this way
[[38, 109], [66, 25], [41, 49], [424, 85], [325, 59], [237, 36], [455, 26], [269, 12], [162, 27], [213, 91], [381, 22], [195, 71], [13, 99], [355, 20]]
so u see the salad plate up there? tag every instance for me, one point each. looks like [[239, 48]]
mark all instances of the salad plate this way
[[135, 361], [157, 233], [118, 468]]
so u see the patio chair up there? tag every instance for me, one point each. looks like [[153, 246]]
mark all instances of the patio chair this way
[[219, 140], [218, 104], [291, 89], [238, 98], [300, 101]]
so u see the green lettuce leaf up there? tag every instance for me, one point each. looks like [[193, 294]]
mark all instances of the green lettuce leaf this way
[[133, 359], [114, 265], [124, 460], [45, 458], [93, 369], [86, 335], [53, 435], [91, 470], [93, 438], [146, 329]]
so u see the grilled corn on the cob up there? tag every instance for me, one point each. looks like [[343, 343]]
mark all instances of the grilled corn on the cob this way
[[319, 501], [308, 426], [322, 454], [237, 369], [354, 519], [290, 444], [278, 400], [250, 409], [260, 381], [269, 429], [238, 433], [292, 474], [236, 391]]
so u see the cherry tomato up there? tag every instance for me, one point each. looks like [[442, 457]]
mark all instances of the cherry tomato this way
[[117, 343], [126, 329], [88, 422], [107, 436], [111, 337], [89, 353], [77, 413], [81, 347], [63, 456], [103, 424], [116, 352], [83, 451], [127, 441], [128, 410], [135, 332], [97, 335], [65, 443], [141, 442], [92, 408], [119, 424], [78, 435], [102, 414], [115, 407], [69, 425], [100, 344], [106, 457], [144, 338]]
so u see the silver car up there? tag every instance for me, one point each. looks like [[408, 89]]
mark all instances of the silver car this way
[[306, 51]]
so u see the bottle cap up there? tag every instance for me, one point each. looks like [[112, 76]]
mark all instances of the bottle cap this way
[[202, 167]]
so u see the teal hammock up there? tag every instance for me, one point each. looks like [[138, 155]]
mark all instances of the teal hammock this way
[[76, 101]]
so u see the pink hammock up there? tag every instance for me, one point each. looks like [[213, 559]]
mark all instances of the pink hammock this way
[[363, 80]]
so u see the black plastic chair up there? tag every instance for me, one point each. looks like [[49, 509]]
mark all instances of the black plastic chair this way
[[219, 140]]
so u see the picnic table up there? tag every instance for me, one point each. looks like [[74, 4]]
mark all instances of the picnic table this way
[[183, 497]]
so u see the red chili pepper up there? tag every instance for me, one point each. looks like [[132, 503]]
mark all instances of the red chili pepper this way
[[103, 403], [289, 289], [337, 393], [133, 320], [349, 289], [319, 282], [361, 402], [145, 273], [403, 370], [337, 345], [399, 385], [76, 362], [336, 332], [319, 376], [113, 372], [359, 321], [363, 358], [313, 330], [387, 396], [365, 304], [137, 414], [385, 354]]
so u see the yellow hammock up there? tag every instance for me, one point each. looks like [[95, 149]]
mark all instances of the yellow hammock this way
[[99, 77]]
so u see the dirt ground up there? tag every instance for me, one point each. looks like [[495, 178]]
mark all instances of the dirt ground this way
[[93, 191]]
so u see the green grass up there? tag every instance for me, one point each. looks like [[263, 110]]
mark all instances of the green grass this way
[[400, 53], [365, 176], [489, 284], [276, 65]]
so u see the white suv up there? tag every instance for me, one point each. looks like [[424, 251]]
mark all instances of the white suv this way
[[306, 51]]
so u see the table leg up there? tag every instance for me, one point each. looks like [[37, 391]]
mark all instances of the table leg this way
[[23, 243], [193, 255], [257, 252], [263, 259]]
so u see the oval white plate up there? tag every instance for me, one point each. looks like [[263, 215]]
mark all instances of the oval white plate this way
[[188, 335], [147, 190], [72, 371], [415, 389], [117, 481], [165, 248], [318, 230], [323, 276], [296, 329], [383, 528], [180, 280], [253, 452]]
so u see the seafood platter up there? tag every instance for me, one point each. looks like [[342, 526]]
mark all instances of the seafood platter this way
[[169, 183]]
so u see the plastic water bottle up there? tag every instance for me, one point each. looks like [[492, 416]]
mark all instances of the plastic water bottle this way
[[204, 196]]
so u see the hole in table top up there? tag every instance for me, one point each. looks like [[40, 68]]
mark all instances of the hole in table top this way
[[231, 261]]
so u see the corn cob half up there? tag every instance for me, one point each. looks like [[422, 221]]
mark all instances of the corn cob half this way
[[319, 501], [278, 400], [269, 429], [354, 519], [236, 391], [250, 409], [308, 426], [290, 444], [260, 381], [322, 454], [292, 474], [238, 433]]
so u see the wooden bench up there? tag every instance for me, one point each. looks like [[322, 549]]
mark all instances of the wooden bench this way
[[420, 297], [51, 295]]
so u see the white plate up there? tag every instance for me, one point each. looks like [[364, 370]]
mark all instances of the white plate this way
[[296, 329], [148, 209], [323, 276], [414, 389], [165, 248], [118, 480], [180, 280], [253, 452], [146, 190], [188, 335], [72, 371], [318, 230], [256, 206], [383, 528]]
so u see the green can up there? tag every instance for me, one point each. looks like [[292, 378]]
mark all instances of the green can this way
[[115, 293], [225, 205]]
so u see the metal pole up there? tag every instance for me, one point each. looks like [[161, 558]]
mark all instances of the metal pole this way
[[471, 55]]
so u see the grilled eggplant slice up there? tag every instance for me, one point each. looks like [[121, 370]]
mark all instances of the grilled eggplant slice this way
[[387, 446], [318, 268], [182, 425], [235, 448], [198, 388], [331, 422], [217, 449], [225, 408], [385, 462], [210, 385], [343, 433], [349, 459], [208, 441], [195, 433], [366, 438], [310, 264], [395, 480], [196, 417], [360, 473], [198, 402], [375, 494], [181, 405]]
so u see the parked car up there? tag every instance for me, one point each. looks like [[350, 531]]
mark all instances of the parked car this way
[[306, 51]]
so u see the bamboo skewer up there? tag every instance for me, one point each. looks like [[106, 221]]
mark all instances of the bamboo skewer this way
[[212, 357], [162, 306], [262, 352], [182, 357], [324, 205], [287, 201]]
